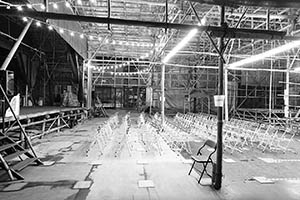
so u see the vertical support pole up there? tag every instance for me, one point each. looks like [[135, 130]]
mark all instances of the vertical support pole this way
[[26, 95], [89, 86], [218, 173], [287, 90], [16, 46], [108, 13], [58, 122], [151, 101], [46, 3], [162, 83], [83, 84], [115, 81], [271, 73], [226, 93], [270, 90], [7, 168], [268, 20], [43, 128], [22, 138], [44, 85], [3, 114], [208, 100], [166, 20], [151, 82], [163, 69]]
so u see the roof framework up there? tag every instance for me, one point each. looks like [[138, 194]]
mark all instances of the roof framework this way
[[128, 40], [124, 41]]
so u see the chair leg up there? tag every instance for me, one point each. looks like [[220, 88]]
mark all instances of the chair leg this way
[[192, 167], [204, 170]]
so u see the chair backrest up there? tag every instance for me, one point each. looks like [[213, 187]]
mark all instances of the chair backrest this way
[[211, 144]]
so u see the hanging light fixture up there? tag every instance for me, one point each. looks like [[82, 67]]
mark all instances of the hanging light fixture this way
[[38, 24], [68, 5], [29, 6], [43, 7], [55, 6]]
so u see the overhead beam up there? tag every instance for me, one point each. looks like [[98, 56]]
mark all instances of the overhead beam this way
[[216, 31], [258, 3]]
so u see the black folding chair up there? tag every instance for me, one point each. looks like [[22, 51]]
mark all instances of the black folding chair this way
[[204, 158]]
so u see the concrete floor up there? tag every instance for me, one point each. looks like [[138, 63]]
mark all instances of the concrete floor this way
[[118, 172]]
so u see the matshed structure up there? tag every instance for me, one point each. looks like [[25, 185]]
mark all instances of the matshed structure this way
[[236, 59]]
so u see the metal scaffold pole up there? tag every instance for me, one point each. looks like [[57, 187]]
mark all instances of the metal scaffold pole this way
[[287, 90], [162, 94], [218, 173], [16, 46], [89, 86]]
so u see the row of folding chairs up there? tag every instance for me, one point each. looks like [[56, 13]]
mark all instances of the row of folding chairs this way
[[141, 120], [180, 135], [105, 132], [264, 136], [150, 137], [185, 121], [121, 135], [238, 134], [174, 133]]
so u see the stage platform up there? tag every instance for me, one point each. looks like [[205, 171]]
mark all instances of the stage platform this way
[[41, 120]]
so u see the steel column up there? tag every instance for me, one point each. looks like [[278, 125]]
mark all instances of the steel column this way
[[218, 172]]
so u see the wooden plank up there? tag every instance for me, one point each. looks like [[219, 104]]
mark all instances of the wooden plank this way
[[21, 165], [14, 155], [6, 146]]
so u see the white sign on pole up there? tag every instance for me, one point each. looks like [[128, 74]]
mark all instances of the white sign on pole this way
[[219, 100]]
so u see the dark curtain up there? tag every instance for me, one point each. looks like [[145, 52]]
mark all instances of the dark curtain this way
[[74, 60], [27, 72]]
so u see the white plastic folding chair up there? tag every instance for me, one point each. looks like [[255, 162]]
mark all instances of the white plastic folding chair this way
[[282, 139]]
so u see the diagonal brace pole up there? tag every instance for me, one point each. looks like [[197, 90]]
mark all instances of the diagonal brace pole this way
[[16, 46], [211, 40], [236, 26], [19, 124]]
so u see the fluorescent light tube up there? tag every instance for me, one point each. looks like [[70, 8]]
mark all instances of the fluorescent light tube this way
[[183, 42], [266, 54]]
